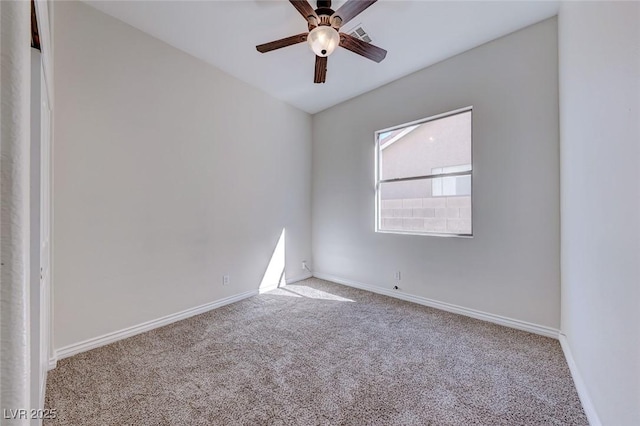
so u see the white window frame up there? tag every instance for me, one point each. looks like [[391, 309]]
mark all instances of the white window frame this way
[[379, 181]]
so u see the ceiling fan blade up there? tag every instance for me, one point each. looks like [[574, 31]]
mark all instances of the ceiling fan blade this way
[[321, 69], [304, 8], [283, 42], [351, 9], [362, 48]]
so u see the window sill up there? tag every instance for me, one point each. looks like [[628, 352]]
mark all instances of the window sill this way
[[424, 234]]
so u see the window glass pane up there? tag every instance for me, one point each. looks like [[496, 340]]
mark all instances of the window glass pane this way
[[411, 206], [451, 186], [418, 150]]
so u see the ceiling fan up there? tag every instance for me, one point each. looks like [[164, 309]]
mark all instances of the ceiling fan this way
[[324, 36]]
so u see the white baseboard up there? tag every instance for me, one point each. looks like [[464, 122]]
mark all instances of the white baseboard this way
[[297, 278], [583, 393], [485, 316], [108, 338], [268, 288], [53, 363]]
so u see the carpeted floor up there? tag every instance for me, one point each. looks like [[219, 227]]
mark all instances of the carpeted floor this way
[[319, 353]]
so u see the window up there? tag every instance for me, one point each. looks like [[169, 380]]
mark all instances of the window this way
[[424, 175]]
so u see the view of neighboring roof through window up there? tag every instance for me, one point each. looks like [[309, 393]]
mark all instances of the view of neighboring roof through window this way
[[424, 174]]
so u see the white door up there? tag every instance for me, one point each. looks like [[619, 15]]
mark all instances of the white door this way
[[45, 233], [41, 177], [40, 231]]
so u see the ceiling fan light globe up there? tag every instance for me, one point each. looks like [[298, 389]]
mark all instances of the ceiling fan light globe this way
[[323, 40]]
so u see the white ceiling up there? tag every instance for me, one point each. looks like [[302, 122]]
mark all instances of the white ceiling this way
[[416, 34]]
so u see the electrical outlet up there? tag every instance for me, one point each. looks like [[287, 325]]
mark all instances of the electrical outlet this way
[[397, 276], [225, 279], [304, 265]]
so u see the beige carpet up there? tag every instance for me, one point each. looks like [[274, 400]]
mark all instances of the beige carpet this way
[[319, 353]]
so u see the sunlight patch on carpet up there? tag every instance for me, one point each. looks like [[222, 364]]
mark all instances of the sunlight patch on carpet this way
[[311, 293]]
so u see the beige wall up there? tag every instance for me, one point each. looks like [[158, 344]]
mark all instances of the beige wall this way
[[168, 174], [511, 266], [599, 45]]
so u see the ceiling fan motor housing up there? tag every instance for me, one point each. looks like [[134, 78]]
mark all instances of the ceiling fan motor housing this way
[[324, 12], [324, 20], [323, 4]]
